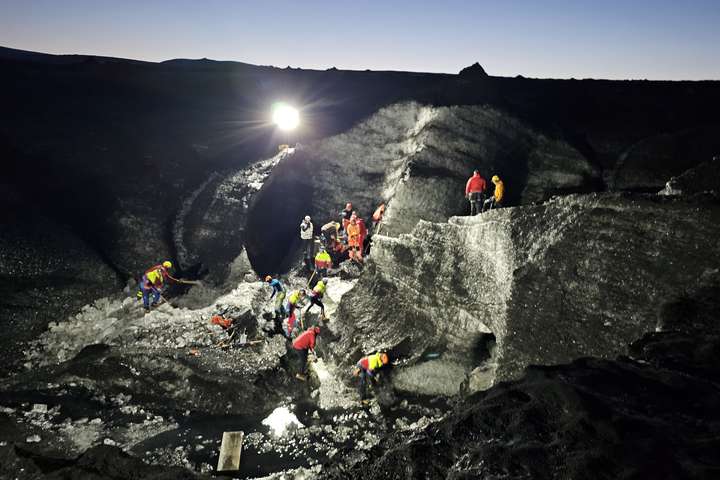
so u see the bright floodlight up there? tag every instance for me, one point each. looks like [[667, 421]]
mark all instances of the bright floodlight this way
[[285, 116]]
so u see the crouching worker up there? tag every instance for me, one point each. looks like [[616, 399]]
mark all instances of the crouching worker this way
[[153, 281], [316, 296], [367, 369], [293, 302], [302, 345]]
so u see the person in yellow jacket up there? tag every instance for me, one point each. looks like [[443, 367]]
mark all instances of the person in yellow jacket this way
[[153, 282], [496, 200], [316, 296], [322, 262], [367, 369], [294, 300]]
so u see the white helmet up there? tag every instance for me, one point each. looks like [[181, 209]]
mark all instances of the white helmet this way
[[307, 218]]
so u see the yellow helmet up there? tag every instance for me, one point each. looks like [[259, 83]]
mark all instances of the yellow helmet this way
[[167, 264], [384, 358], [268, 278], [495, 179]]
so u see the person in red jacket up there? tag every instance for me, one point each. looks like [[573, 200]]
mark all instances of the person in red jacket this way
[[303, 344], [475, 192]]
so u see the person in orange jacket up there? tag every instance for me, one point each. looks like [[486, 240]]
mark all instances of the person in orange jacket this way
[[354, 239], [346, 214], [475, 191], [363, 233]]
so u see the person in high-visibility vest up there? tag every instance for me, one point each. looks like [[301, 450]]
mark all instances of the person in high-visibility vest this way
[[367, 369], [316, 296], [294, 300], [323, 262], [153, 281]]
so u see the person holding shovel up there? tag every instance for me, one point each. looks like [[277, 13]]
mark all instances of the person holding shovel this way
[[153, 282]]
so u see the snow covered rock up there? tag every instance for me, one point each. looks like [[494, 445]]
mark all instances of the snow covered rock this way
[[445, 287]]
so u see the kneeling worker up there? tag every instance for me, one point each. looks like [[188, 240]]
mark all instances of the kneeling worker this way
[[302, 345]]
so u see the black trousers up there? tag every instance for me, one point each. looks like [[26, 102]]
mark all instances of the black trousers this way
[[476, 202], [315, 300], [302, 356]]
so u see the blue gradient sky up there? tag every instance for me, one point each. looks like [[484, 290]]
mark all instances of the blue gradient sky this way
[[661, 39]]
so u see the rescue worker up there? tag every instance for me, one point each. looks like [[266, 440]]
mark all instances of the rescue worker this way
[[329, 233], [496, 200], [377, 217], [153, 281], [475, 192], [323, 262], [304, 344], [346, 214], [316, 296], [367, 369], [363, 234], [353, 232], [306, 236], [278, 291], [294, 300], [338, 252]]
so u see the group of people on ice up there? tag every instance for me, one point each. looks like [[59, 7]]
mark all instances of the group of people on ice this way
[[346, 238]]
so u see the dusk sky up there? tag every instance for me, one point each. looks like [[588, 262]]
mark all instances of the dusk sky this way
[[664, 39]]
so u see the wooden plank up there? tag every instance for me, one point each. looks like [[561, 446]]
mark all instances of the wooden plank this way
[[230, 449]]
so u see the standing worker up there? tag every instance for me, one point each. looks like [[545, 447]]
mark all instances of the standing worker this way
[[323, 262], [346, 214], [367, 368], [306, 236], [475, 192], [496, 200], [316, 296], [279, 290], [353, 233], [304, 344], [377, 217], [294, 301], [363, 234], [153, 281]]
